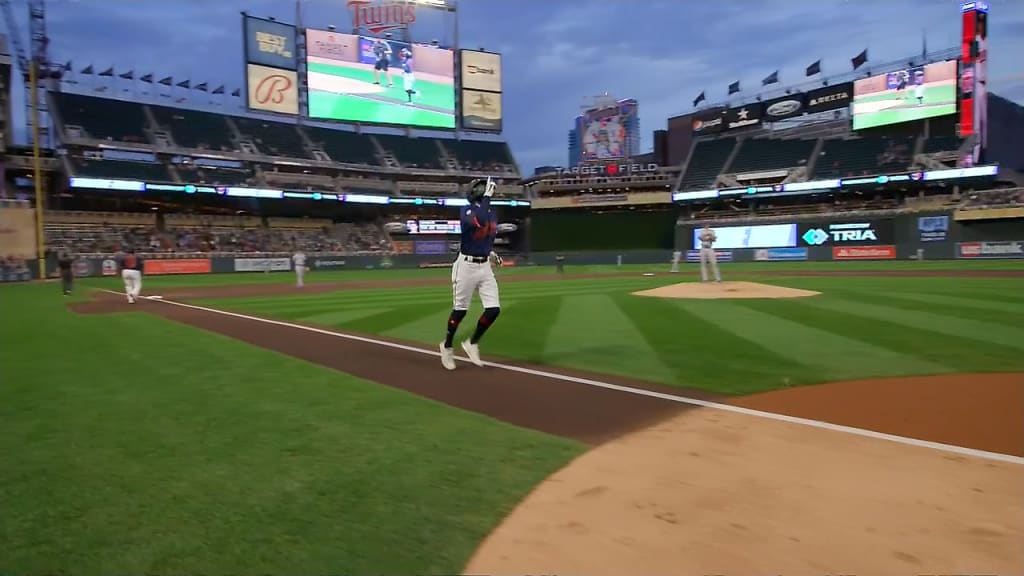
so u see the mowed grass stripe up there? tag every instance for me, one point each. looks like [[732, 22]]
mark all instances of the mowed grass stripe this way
[[961, 309], [704, 355], [990, 332], [1003, 311], [592, 333], [836, 357], [431, 328], [341, 317], [959, 354]]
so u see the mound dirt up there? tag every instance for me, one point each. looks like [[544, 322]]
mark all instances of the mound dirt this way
[[717, 290]]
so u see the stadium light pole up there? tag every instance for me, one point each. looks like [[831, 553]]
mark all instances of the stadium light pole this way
[[33, 82]]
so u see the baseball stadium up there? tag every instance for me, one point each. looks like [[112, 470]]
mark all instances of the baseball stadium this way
[[843, 394]]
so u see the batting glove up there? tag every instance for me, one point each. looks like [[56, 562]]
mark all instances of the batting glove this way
[[495, 259], [490, 188]]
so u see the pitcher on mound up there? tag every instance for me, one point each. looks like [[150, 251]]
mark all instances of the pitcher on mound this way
[[472, 272], [708, 257]]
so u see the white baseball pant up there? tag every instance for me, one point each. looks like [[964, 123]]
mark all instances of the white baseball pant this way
[[132, 283], [300, 274], [469, 277], [709, 258]]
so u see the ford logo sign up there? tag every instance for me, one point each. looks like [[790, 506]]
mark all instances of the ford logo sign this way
[[784, 108]]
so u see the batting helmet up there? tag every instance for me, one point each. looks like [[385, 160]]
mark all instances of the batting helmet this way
[[476, 189]]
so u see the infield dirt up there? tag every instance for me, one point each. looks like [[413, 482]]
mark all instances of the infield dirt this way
[[672, 488]]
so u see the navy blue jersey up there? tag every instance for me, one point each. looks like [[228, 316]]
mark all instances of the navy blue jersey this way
[[479, 226], [381, 50], [131, 262]]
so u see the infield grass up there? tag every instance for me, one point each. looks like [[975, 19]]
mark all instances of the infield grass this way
[[135, 445], [860, 327]]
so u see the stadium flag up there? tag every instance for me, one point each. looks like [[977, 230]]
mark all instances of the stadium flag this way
[[734, 87], [148, 78], [772, 78], [814, 68], [237, 93], [166, 81], [67, 67], [202, 87], [183, 84], [107, 72], [87, 69], [860, 59], [218, 90], [129, 75], [700, 98]]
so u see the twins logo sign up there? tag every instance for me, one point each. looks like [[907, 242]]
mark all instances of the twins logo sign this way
[[376, 17]]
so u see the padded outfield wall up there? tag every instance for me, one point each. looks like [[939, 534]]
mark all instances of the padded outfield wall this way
[[935, 234]]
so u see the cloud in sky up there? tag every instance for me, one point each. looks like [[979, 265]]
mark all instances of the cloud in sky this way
[[556, 53]]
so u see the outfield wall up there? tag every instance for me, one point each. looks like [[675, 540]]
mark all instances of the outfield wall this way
[[932, 236]]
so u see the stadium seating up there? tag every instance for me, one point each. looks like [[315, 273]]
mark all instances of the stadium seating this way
[[194, 129], [273, 138], [707, 160], [214, 176], [412, 152], [937, 144], [479, 155], [842, 158], [344, 146], [763, 154], [121, 169], [103, 118]]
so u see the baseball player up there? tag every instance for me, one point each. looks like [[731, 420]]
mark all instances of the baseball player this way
[[299, 260], [408, 77], [707, 254], [382, 52], [676, 257], [471, 272], [131, 273], [67, 275]]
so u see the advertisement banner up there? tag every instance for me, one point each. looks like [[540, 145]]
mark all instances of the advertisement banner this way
[[847, 233], [863, 252], [431, 247], [262, 264], [324, 45], [933, 228], [109, 267], [746, 116], [994, 250], [177, 266], [756, 236], [272, 89], [481, 70], [328, 263], [709, 122], [780, 254], [269, 43], [403, 247], [829, 98], [723, 255], [18, 233], [481, 110], [784, 107]]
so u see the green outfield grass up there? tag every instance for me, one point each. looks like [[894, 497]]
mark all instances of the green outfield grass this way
[[860, 327], [357, 109], [938, 101], [134, 445]]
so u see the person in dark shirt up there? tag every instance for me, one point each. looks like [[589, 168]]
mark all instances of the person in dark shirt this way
[[67, 276], [472, 272], [131, 273], [382, 56]]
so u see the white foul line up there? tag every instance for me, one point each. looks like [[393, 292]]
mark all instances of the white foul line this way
[[950, 448]]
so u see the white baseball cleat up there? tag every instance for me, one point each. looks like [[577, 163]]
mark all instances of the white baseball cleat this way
[[447, 357], [473, 351], [131, 300]]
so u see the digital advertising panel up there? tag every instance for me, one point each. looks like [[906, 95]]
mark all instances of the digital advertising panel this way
[[829, 98], [761, 236], [747, 116], [846, 233], [974, 73], [603, 133], [782, 108], [905, 95], [272, 89], [481, 110], [480, 70], [269, 43], [381, 81]]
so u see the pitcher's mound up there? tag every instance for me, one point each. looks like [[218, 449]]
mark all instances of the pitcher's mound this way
[[713, 290]]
